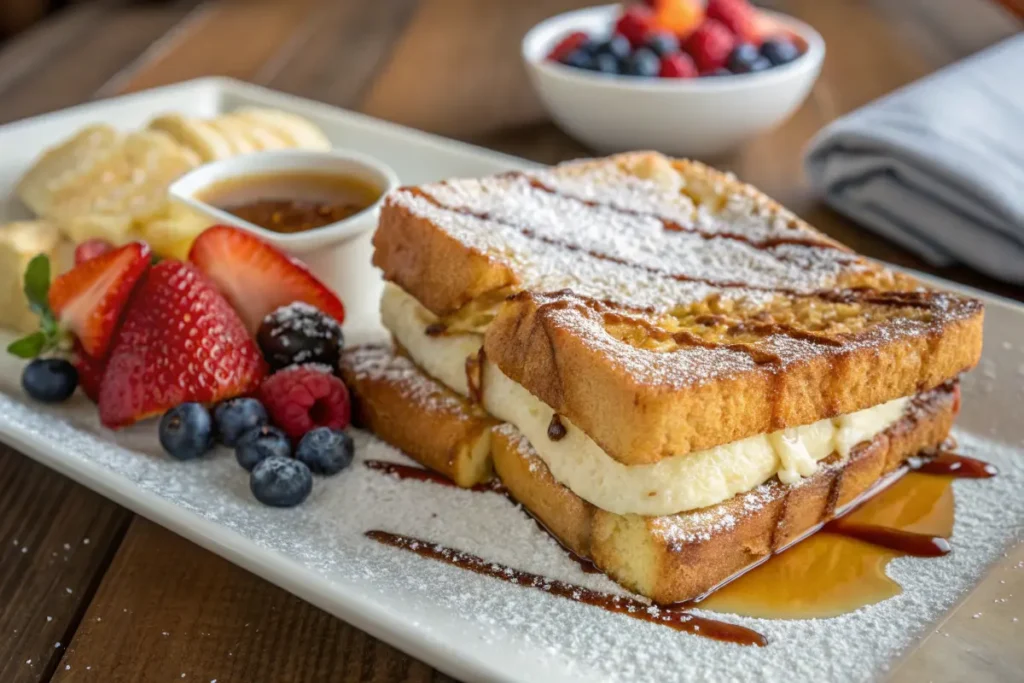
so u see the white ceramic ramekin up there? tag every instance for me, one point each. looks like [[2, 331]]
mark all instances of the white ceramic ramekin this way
[[340, 253]]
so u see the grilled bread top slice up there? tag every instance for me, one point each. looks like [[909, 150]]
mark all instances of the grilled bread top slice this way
[[665, 307]]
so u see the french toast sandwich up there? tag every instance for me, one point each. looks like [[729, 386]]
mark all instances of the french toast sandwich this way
[[689, 376]]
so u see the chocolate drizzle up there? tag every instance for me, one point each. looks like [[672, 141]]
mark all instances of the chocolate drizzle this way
[[556, 430], [906, 542], [673, 226], [419, 474], [955, 465], [436, 329], [673, 618]]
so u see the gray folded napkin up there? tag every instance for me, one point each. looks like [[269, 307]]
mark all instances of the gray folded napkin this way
[[938, 166]]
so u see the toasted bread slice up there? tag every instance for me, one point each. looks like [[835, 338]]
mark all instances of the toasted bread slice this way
[[680, 557], [665, 307], [419, 416]]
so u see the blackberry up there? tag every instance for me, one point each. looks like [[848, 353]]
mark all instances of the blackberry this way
[[299, 333]]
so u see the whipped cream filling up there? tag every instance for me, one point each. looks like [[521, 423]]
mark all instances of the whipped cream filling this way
[[674, 484]]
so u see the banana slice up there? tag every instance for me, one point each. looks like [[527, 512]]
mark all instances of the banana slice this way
[[195, 134], [60, 165], [20, 242], [240, 142], [296, 130], [131, 185], [260, 137], [171, 234]]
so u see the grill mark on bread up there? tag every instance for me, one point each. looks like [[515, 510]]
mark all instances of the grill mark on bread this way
[[914, 299], [532, 234], [674, 226]]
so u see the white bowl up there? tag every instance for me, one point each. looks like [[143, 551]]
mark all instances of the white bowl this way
[[339, 253], [696, 117]]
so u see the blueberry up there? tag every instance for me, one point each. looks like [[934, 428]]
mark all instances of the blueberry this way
[[299, 333], [761, 64], [281, 482], [580, 59], [236, 416], [617, 46], [721, 71], [50, 380], [186, 431], [742, 58], [779, 51], [607, 64], [258, 444], [663, 44], [643, 62], [326, 451]]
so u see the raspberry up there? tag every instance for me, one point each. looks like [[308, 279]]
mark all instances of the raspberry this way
[[677, 66], [710, 45], [302, 397], [567, 46], [739, 16], [635, 23]]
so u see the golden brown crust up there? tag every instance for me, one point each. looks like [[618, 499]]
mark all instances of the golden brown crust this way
[[442, 272], [818, 332], [419, 416], [680, 557], [641, 406]]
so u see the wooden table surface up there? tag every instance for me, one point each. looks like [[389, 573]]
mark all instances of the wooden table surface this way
[[90, 591]]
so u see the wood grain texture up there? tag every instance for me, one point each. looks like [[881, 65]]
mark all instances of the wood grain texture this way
[[56, 538], [339, 55], [44, 43], [234, 38], [457, 70], [167, 608], [448, 66], [75, 72]]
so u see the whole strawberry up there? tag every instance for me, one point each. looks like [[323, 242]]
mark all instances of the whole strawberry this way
[[710, 45], [180, 342], [739, 16]]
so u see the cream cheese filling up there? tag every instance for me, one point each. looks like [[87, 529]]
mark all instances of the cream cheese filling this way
[[674, 484]]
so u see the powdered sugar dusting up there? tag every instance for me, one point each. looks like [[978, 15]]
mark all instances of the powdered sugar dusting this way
[[535, 635], [381, 364]]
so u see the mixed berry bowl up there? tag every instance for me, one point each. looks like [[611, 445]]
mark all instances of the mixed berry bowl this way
[[615, 79]]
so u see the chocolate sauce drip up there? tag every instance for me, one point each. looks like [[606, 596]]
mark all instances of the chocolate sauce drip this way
[[420, 474], [556, 430], [906, 542], [960, 466], [673, 618]]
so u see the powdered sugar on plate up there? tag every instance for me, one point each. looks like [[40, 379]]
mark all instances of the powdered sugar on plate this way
[[325, 537]]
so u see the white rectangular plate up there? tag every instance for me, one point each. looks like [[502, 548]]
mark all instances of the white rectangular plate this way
[[470, 626]]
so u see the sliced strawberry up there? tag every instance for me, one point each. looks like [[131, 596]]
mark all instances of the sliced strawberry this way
[[90, 372], [88, 299], [258, 278], [180, 341]]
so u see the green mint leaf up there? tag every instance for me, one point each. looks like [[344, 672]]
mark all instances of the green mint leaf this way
[[28, 347], [37, 283]]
